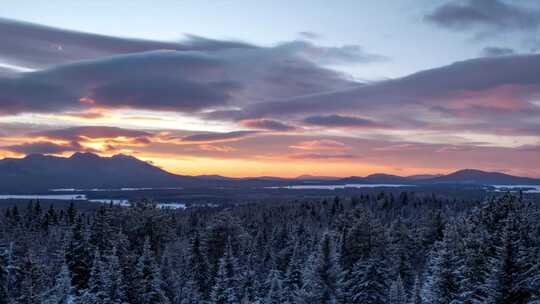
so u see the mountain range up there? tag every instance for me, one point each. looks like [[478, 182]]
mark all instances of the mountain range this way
[[37, 172]]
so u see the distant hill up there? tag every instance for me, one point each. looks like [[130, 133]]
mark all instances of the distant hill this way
[[423, 176], [471, 176], [378, 178], [466, 176], [315, 177], [83, 171]]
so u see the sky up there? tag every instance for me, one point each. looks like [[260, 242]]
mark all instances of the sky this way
[[276, 88]]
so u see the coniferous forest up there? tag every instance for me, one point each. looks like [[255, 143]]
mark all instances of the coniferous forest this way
[[369, 249]]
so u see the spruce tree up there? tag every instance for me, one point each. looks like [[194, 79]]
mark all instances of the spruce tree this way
[[292, 282], [507, 283], [442, 285], [95, 292], [198, 268], [323, 276], [4, 275], [225, 291], [148, 284], [415, 295], [62, 292], [113, 281], [368, 282], [274, 294], [78, 256], [397, 292]]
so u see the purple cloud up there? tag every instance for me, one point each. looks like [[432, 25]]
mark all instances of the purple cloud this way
[[39, 148], [492, 51], [38, 46], [218, 137], [267, 124], [342, 121], [488, 15]]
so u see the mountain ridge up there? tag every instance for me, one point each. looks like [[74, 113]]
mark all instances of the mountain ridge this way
[[37, 172]]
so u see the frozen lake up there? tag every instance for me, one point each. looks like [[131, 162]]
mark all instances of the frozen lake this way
[[333, 187], [529, 188], [82, 197], [109, 190], [60, 197]]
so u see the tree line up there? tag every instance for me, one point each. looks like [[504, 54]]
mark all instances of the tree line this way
[[369, 249]]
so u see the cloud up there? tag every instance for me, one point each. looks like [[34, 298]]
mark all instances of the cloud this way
[[267, 124], [93, 132], [345, 54], [492, 51], [485, 15], [77, 139], [168, 81], [320, 156], [342, 121], [321, 145], [309, 35], [37, 46], [506, 85], [39, 148], [218, 137]]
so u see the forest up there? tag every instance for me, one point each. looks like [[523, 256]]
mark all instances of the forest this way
[[367, 249]]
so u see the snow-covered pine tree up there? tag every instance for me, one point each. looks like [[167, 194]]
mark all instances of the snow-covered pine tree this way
[[148, 278], [225, 288], [397, 294], [198, 268], [32, 285], [274, 294], [368, 282], [475, 268], [95, 293], [323, 276], [442, 284], [401, 251], [62, 292], [293, 277], [113, 279], [415, 293], [4, 297], [78, 256], [507, 283], [250, 287]]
